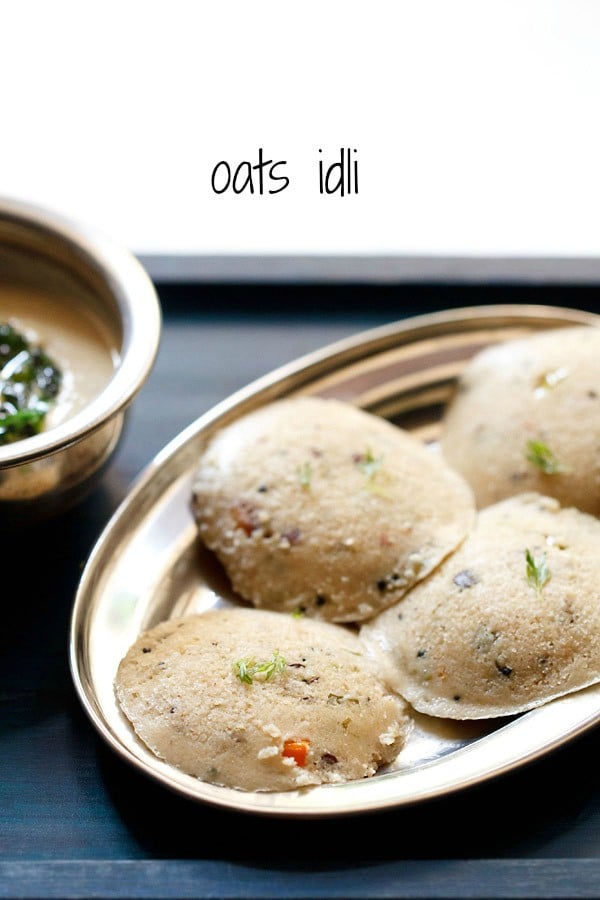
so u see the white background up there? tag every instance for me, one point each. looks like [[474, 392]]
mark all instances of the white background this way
[[476, 123]]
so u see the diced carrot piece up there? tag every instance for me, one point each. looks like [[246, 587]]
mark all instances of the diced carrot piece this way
[[245, 516], [298, 750]]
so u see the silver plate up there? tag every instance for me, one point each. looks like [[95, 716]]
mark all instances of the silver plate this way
[[148, 566]]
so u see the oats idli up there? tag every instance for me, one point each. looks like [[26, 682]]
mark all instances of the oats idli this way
[[260, 701], [510, 621], [316, 505], [526, 417]]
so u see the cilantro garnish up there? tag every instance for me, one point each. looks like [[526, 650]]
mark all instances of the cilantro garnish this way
[[305, 473], [537, 571], [540, 455], [368, 463], [247, 669]]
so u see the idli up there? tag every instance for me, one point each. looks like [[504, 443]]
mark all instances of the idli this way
[[510, 621], [526, 417], [315, 505], [260, 701]]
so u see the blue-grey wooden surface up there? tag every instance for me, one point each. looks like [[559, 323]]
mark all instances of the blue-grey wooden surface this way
[[75, 821]]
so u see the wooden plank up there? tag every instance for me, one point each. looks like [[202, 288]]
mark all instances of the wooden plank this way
[[373, 269], [187, 879]]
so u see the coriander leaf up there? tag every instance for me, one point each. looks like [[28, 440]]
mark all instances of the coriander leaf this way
[[17, 425], [242, 669], [247, 669], [29, 382], [271, 667], [368, 463], [537, 571], [540, 455], [305, 474]]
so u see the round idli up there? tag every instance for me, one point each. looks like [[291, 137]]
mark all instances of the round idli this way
[[315, 505], [260, 701], [526, 417], [509, 622]]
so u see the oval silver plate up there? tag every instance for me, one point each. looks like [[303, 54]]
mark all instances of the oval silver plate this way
[[148, 566]]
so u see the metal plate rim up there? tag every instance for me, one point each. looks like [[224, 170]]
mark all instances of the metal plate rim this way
[[369, 795]]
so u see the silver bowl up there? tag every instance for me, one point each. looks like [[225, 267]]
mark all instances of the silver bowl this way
[[42, 251]]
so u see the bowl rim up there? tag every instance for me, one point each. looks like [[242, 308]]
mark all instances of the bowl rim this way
[[141, 320]]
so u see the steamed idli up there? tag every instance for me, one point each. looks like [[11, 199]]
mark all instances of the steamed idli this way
[[526, 417], [260, 701], [508, 622], [313, 504]]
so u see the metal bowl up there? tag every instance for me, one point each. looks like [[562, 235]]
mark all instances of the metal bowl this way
[[41, 250]]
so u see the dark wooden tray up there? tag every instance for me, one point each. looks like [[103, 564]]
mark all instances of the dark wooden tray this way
[[76, 821]]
